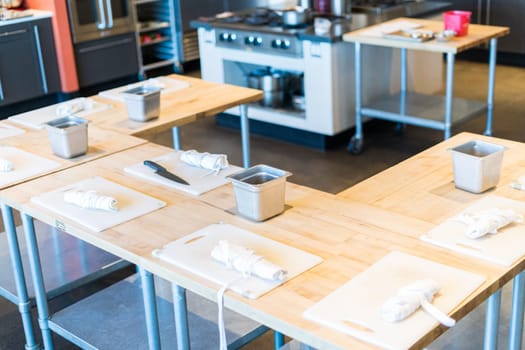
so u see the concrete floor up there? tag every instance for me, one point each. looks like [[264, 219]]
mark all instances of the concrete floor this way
[[333, 171]]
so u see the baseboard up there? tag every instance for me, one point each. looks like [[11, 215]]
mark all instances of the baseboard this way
[[296, 136]]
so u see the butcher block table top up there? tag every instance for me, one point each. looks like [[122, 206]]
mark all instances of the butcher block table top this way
[[349, 235], [422, 187], [101, 143], [200, 99], [477, 34]]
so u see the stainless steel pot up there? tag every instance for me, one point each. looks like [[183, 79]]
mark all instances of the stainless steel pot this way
[[341, 7], [273, 86], [296, 16], [11, 3], [272, 83]]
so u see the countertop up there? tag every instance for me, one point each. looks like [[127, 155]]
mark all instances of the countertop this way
[[32, 15]]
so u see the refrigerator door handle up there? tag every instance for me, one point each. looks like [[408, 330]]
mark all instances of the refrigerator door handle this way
[[110, 13], [101, 24]]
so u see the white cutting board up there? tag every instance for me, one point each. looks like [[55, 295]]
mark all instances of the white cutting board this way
[[25, 165], [359, 301], [503, 248], [166, 84], [201, 180], [8, 131], [131, 204], [38, 117], [193, 253]]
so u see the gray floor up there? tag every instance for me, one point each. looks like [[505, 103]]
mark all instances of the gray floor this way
[[335, 170]]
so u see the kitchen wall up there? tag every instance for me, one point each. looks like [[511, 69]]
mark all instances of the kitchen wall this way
[[63, 44]]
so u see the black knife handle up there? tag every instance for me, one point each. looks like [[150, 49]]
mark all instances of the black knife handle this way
[[154, 166]]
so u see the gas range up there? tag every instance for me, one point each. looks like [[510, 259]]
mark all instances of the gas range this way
[[258, 30]]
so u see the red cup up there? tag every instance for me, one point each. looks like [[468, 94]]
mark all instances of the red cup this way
[[457, 21]]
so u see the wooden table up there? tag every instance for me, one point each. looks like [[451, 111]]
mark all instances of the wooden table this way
[[417, 109], [201, 99], [350, 235], [101, 143], [422, 188]]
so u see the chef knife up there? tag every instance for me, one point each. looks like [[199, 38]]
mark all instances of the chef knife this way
[[160, 170]]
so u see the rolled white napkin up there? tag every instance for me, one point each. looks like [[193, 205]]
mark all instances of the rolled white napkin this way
[[90, 200], [214, 162], [247, 262], [74, 106], [6, 165], [488, 221], [409, 299]]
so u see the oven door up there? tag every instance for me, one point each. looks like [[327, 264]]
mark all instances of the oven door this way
[[95, 19]]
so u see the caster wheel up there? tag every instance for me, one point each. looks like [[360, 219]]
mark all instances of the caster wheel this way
[[355, 146], [400, 129]]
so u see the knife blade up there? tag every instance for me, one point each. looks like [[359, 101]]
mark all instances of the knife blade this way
[[160, 170]]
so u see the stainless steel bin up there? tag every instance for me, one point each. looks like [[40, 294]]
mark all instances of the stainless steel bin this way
[[142, 103], [68, 136], [259, 191], [477, 165]]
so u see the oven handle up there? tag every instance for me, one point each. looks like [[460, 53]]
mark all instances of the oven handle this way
[[102, 16], [14, 32], [105, 45], [110, 13]]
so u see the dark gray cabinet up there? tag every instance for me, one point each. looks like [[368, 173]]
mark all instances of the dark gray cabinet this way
[[509, 13], [28, 66], [103, 60]]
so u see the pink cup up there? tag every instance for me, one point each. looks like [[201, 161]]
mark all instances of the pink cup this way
[[457, 21]]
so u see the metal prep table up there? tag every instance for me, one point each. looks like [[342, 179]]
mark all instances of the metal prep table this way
[[418, 109]]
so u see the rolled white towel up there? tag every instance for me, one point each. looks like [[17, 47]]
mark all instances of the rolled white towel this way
[[6, 165], [408, 300], [247, 262], [214, 162], [74, 106], [488, 221], [90, 200]]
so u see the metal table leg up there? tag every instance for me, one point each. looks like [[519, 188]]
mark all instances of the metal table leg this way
[[490, 90], [491, 321], [278, 340], [38, 280], [448, 94], [245, 135], [150, 309], [176, 137], [516, 316], [403, 93], [355, 146], [181, 317], [24, 305]]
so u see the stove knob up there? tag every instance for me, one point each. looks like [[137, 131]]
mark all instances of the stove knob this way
[[285, 44], [249, 40], [232, 37], [224, 36], [258, 41], [276, 44]]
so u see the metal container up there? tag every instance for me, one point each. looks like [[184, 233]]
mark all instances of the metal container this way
[[68, 136], [477, 165], [341, 7], [297, 16], [273, 84], [142, 103], [259, 191]]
